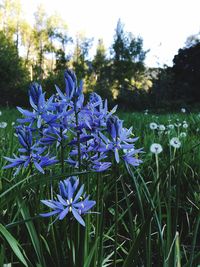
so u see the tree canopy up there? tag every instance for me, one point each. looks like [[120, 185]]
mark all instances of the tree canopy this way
[[42, 51]]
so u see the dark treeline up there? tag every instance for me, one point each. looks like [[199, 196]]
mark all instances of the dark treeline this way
[[43, 51]]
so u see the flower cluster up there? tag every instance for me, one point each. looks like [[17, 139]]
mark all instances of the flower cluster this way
[[70, 200], [65, 130], [88, 131]]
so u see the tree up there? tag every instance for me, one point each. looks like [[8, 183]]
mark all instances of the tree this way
[[161, 93], [127, 63], [186, 69], [80, 62], [102, 71], [41, 40], [27, 39], [13, 75], [192, 40], [58, 39], [11, 17], [128, 58]]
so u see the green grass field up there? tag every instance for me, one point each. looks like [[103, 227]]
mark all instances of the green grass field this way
[[158, 210]]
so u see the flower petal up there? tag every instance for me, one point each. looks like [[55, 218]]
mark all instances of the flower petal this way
[[63, 213], [78, 217], [48, 214]]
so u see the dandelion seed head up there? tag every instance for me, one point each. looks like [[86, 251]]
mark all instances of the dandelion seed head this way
[[183, 134], [185, 125], [170, 126], [156, 148], [153, 126], [161, 127], [175, 142], [3, 125]]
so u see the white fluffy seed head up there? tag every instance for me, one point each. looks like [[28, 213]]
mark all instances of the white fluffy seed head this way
[[161, 127], [156, 148], [175, 142], [185, 125], [3, 124], [153, 126], [183, 134], [170, 126]]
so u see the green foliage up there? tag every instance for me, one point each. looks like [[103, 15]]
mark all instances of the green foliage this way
[[162, 89], [186, 74], [178, 86], [43, 51], [13, 74], [128, 57], [157, 225], [102, 71], [13, 243], [80, 63]]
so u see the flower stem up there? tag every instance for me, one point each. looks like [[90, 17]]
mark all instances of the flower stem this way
[[158, 188], [116, 216], [78, 139], [61, 150], [116, 223]]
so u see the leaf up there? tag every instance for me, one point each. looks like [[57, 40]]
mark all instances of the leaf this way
[[89, 258], [32, 233], [13, 244], [133, 253]]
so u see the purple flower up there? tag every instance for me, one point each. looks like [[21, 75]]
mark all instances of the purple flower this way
[[24, 161], [119, 139], [69, 201], [73, 96], [31, 153], [35, 93], [40, 114], [53, 135], [131, 157]]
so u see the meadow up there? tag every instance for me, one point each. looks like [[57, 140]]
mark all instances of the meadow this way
[[146, 215]]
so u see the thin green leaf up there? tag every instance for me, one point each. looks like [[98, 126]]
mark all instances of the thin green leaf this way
[[13, 244], [90, 256], [133, 253]]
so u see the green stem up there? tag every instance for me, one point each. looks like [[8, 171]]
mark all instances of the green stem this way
[[97, 219], [61, 150], [158, 189], [194, 239], [78, 139], [178, 252], [71, 260], [116, 224]]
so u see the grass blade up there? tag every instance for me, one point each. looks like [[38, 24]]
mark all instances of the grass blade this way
[[13, 244]]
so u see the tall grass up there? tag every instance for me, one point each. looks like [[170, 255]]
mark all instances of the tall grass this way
[[149, 216]]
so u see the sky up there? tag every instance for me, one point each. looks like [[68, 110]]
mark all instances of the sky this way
[[164, 25]]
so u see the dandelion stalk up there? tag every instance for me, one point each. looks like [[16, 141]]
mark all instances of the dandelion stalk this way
[[178, 253], [158, 187]]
